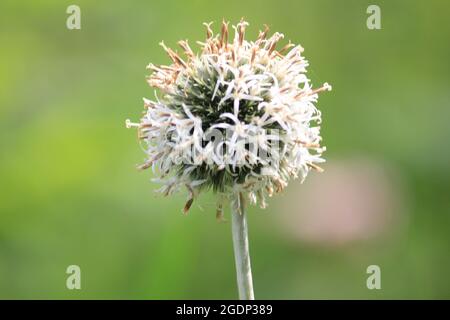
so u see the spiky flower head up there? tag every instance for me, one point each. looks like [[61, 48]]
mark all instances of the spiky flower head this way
[[254, 100]]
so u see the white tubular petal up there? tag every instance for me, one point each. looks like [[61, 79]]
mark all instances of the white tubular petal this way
[[236, 106], [230, 116]]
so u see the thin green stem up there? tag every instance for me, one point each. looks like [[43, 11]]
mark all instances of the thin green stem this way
[[241, 248]]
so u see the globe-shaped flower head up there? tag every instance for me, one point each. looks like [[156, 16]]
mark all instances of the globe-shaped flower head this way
[[238, 117]]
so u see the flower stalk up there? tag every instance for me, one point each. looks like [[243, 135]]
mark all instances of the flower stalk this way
[[241, 248]]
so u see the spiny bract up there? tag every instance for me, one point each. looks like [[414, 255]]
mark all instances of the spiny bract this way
[[251, 94]]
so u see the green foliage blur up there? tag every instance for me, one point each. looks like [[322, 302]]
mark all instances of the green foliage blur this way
[[70, 192]]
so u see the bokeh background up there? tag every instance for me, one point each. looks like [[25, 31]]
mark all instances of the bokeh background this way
[[70, 193]]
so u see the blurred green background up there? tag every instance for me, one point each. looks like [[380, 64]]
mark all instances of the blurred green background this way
[[70, 193]]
